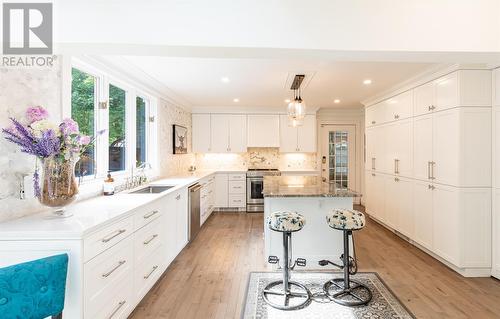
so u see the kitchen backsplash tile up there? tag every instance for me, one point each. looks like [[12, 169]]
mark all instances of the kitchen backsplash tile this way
[[257, 158]]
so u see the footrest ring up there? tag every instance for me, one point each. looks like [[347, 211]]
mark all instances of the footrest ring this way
[[356, 294]]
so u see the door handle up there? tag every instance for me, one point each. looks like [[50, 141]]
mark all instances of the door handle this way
[[432, 170], [428, 170]]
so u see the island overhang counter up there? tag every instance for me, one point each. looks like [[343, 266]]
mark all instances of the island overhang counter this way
[[312, 198]]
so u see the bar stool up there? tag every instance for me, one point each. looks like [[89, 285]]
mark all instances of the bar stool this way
[[286, 223], [346, 220]]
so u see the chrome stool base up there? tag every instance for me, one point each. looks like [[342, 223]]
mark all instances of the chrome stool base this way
[[356, 294], [302, 295]]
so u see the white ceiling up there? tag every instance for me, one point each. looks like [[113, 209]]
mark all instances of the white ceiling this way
[[263, 82]]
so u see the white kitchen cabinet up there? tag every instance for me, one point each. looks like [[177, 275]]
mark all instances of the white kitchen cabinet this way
[[219, 133], [375, 192], [436, 167], [423, 213], [459, 88], [201, 133], [298, 139], [424, 98], [376, 158], [228, 134], [237, 133], [376, 114], [496, 87], [221, 190], [453, 147], [400, 107], [496, 233], [182, 218], [263, 130], [398, 206], [446, 221]]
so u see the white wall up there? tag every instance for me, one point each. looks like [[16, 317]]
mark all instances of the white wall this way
[[352, 116], [355, 25]]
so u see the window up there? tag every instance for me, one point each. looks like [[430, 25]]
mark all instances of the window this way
[[117, 143], [140, 130], [83, 102], [101, 102]]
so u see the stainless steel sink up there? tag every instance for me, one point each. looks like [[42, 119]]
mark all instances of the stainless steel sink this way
[[152, 190]]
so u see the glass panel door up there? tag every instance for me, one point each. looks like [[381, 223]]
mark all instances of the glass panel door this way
[[338, 155]]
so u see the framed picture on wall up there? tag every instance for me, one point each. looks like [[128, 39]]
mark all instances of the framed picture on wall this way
[[180, 139]]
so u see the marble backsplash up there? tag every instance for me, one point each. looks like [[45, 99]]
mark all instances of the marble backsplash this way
[[257, 158]]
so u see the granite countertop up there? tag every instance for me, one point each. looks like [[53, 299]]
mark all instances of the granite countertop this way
[[302, 186]]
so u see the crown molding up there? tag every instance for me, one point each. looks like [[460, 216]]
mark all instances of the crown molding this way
[[428, 75], [245, 110]]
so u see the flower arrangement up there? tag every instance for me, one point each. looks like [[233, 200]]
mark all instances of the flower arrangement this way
[[55, 145]]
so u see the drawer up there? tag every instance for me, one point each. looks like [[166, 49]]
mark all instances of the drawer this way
[[104, 273], [147, 240], [147, 214], [237, 200], [237, 187], [105, 238], [237, 176], [120, 303], [147, 272]]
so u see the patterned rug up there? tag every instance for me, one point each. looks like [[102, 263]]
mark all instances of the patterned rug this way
[[382, 306]]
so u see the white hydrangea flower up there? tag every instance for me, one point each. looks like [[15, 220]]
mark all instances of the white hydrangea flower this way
[[41, 126]]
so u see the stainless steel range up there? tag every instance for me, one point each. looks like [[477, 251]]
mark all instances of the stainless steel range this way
[[255, 185]]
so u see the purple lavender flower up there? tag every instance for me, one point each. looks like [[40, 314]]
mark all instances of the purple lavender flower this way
[[69, 126], [48, 145], [36, 113]]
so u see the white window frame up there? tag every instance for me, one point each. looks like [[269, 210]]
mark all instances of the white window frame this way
[[103, 80]]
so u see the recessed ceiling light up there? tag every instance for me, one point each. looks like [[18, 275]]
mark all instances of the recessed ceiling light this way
[[367, 82], [236, 100], [287, 101], [336, 101], [224, 79]]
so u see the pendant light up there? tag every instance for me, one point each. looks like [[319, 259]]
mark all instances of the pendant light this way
[[296, 109]]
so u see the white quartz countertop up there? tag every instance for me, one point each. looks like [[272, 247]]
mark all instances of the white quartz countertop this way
[[91, 214]]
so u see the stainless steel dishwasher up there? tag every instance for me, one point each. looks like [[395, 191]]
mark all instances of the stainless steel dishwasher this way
[[194, 210]]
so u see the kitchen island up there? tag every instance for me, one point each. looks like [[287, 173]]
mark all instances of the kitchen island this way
[[312, 198]]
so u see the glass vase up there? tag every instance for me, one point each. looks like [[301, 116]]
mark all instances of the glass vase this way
[[58, 186]]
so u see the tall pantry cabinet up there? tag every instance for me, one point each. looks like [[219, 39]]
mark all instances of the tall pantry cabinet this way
[[428, 162]]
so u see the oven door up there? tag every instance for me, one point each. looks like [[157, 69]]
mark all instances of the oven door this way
[[255, 186]]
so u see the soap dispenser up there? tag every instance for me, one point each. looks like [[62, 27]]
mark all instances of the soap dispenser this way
[[109, 185]]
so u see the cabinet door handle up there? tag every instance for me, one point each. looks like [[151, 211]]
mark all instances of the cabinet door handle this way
[[120, 263], [373, 163], [146, 242], [432, 170], [396, 116], [178, 197], [373, 174], [373, 122], [151, 272], [432, 187], [117, 233], [396, 166], [428, 170], [396, 179], [120, 304], [150, 214]]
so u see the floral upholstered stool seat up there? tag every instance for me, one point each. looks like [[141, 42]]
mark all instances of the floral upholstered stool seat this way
[[278, 294], [345, 219], [345, 291], [285, 221]]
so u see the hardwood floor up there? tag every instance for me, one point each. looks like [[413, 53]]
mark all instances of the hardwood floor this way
[[208, 279]]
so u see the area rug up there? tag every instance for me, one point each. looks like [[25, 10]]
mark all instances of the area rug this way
[[382, 306]]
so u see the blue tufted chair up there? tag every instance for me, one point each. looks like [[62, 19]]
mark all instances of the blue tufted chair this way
[[34, 289]]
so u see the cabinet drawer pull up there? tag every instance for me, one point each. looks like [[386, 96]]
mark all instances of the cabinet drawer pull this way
[[151, 272], [120, 263], [178, 197], [120, 304], [396, 179], [396, 116], [237, 187], [117, 233], [148, 215], [373, 122], [237, 200], [150, 239]]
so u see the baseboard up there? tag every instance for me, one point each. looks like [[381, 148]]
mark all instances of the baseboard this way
[[466, 272]]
